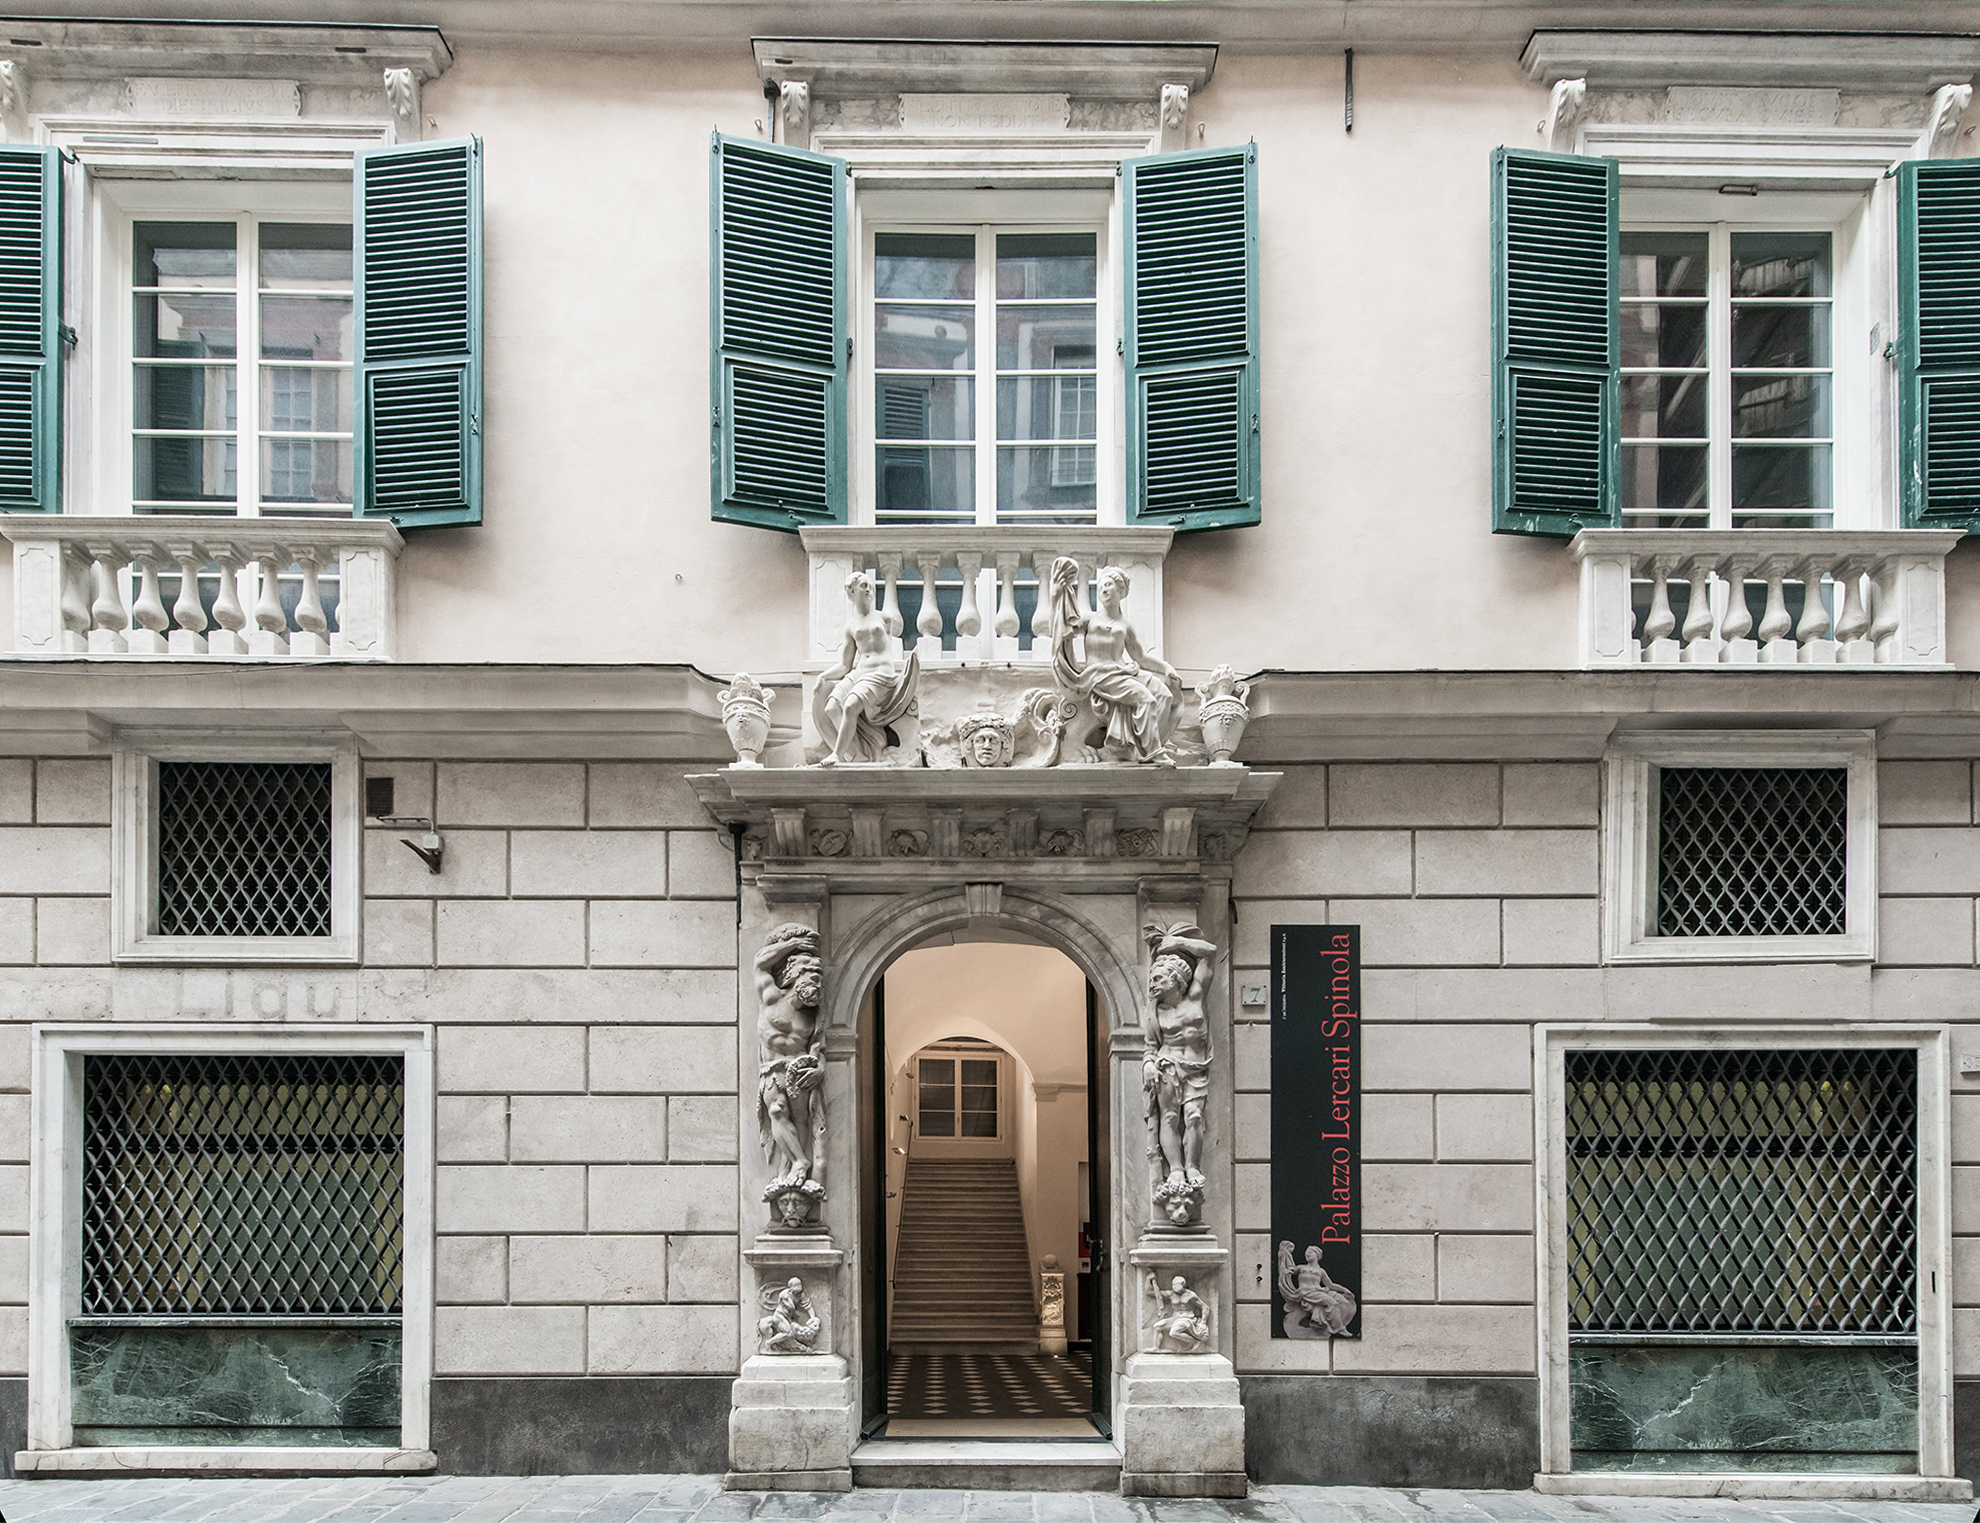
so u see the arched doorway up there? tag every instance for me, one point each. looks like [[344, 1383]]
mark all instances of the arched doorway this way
[[986, 1313]]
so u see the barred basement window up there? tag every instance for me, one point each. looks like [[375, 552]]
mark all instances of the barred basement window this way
[[243, 848], [1742, 1191], [243, 1186], [1751, 851]]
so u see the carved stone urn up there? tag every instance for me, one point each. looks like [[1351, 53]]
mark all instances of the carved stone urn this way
[[746, 716], [1223, 712]]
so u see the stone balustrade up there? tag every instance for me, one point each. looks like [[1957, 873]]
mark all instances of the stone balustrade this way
[[1878, 597], [988, 574], [239, 586]]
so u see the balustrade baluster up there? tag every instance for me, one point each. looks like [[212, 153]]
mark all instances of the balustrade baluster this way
[[76, 574], [189, 639], [1884, 608], [1776, 626], [1853, 619], [1041, 611], [1817, 649], [228, 639], [1658, 646], [311, 626], [890, 596], [1737, 621], [148, 612], [270, 636], [1005, 625], [1700, 647], [969, 621], [108, 616], [929, 620]]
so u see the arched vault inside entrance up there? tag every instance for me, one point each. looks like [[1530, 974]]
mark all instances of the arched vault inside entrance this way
[[989, 1304]]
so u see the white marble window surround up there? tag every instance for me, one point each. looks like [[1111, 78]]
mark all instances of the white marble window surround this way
[[1630, 832], [55, 1269], [1935, 1456], [134, 852]]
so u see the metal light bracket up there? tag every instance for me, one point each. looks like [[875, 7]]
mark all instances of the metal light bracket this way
[[429, 848]]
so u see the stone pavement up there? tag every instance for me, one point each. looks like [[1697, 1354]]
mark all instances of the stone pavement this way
[[700, 1499]]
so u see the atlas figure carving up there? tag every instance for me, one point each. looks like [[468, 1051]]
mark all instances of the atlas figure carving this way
[[1175, 1065]]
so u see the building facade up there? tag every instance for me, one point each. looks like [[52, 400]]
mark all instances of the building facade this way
[[1300, 805]]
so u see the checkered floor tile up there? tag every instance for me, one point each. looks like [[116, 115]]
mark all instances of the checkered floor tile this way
[[990, 1385]]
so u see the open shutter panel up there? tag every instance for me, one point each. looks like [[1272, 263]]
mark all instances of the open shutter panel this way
[[30, 330], [1939, 295], [418, 258], [778, 387], [1191, 229], [1554, 343]]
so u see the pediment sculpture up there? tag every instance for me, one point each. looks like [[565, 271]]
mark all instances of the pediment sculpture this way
[[859, 703]]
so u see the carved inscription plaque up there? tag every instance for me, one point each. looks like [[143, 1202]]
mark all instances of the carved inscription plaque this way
[[211, 98], [984, 113], [1728, 106]]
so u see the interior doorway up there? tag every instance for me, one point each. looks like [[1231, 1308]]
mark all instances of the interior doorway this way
[[988, 1170]]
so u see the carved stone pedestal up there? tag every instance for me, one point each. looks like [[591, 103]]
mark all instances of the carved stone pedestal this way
[[795, 1413], [1181, 1426]]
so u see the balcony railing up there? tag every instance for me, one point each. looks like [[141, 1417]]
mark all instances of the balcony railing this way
[[202, 586], [988, 602], [1816, 597]]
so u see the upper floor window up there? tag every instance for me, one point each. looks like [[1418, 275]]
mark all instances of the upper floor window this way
[[985, 348], [250, 307], [1728, 379]]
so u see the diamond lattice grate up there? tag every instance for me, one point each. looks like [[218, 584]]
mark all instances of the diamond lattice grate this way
[[242, 1185], [1742, 1191], [244, 848], [1752, 851]]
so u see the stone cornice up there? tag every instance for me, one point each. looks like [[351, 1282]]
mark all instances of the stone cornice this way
[[1651, 59], [840, 68], [55, 48]]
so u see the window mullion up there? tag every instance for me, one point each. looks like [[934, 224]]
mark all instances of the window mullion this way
[[1719, 398], [986, 382], [247, 394]]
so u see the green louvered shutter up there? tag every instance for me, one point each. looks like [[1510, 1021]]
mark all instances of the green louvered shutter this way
[[1191, 230], [418, 271], [30, 330], [777, 389], [1939, 301], [1555, 342]]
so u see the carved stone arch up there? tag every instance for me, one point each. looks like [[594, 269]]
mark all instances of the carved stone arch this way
[[1049, 919]]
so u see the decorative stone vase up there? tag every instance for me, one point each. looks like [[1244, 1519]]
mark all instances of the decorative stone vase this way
[[746, 716], [1223, 713]]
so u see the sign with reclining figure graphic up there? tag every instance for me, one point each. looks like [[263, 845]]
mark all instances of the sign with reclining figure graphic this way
[[1316, 1130]]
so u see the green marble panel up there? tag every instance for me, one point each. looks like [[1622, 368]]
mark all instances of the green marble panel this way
[[314, 1386], [1755, 1409]]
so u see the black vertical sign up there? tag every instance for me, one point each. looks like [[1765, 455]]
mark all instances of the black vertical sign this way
[[1316, 1131]]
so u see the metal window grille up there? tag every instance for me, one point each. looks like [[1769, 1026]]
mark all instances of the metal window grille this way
[[1752, 851], [242, 1185], [1742, 1191], [243, 848]]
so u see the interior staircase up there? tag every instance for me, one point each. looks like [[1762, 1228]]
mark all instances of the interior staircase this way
[[962, 1270]]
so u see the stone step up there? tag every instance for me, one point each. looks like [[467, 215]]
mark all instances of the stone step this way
[[988, 1464]]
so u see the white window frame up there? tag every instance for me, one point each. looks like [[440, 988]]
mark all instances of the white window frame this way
[[1935, 1377], [1629, 842], [1002, 1145], [55, 1250], [1860, 496], [134, 854], [988, 213], [114, 209]]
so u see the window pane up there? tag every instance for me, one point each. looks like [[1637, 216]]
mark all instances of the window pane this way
[[1781, 478], [1780, 264], [1669, 336], [938, 481], [979, 1123], [938, 1071], [924, 337], [924, 264], [1663, 478], [194, 472], [925, 407], [1664, 264], [305, 256], [1048, 407], [1046, 484], [305, 400], [306, 472], [1045, 338], [1764, 336], [183, 396], [1041, 265], [937, 1123], [1780, 406], [184, 327], [305, 327], [978, 1072], [182, 254], [1663, 407]]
